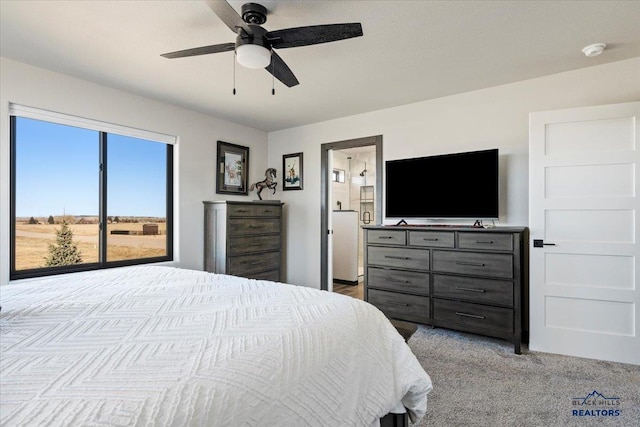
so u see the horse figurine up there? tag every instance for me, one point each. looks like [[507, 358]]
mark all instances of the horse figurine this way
[[268, 182]]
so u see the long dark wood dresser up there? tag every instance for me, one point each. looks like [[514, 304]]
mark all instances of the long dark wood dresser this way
[[462, 278]]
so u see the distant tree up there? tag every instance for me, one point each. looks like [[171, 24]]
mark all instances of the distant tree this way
[[109, 219], [32, 221], [51, 220], [116, 219], [64, 252]]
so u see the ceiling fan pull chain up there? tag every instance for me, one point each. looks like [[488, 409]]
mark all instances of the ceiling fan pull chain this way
[[234, 72], [273, 79]]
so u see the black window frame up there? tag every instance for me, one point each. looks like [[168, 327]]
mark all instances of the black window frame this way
[[102, 209]]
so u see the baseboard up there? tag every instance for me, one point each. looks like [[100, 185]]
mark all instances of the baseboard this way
[[345, 282]]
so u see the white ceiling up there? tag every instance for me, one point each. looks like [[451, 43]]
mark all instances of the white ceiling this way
[[411, 50]]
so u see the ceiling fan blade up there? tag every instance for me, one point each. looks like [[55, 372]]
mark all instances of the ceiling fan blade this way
[[315, 34], [204, 50], [229, 16], [281, 71]]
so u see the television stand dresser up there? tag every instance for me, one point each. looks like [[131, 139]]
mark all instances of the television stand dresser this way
[[456, 277]]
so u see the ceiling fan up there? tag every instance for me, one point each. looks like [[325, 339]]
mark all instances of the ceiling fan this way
[[254, 45]]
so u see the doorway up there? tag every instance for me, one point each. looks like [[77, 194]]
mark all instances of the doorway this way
[[367, 205]]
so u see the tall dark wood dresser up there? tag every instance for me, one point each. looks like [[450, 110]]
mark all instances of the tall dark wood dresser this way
[[244, 239]]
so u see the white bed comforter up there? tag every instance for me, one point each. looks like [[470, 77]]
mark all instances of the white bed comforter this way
[[161, 346]]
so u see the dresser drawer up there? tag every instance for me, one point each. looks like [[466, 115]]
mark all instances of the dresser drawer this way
[[273, 276], [474, 263], [387, 237], [246, 226], [268, 210], [474, 290], [490, 241], [252, 244], [473, 315], [417, 259], [240, 210], [398, 280], [434, 239], [399, 306], [246, 265]]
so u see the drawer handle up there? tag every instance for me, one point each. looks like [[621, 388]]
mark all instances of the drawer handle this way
[[475, 264], [430, 239], [256, 226], [394, 280], [242, 210], [397, 257], [482, 291], [486, 242], [401, 304], [469, 315], [385, 237]]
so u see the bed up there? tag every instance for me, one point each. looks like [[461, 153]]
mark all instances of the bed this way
[[165, 346]]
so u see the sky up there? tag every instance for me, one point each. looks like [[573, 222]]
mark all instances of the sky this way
[[57, 171]]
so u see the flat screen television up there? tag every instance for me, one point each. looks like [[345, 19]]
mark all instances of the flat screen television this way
[[449, 186]]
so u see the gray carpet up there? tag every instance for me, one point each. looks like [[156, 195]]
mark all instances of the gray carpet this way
[[479, 381]]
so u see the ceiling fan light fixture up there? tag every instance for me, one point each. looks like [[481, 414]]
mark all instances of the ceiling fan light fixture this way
[[253, 56], [255, 47]]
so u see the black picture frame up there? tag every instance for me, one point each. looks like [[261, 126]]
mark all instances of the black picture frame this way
[[292, 171], [232, 169]]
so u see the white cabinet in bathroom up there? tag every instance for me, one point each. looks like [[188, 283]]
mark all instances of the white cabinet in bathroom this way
[[345, 246]]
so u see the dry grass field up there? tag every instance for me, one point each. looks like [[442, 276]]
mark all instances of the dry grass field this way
[[32, 243], [85, 229]]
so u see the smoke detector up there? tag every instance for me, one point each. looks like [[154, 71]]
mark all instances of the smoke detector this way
[[594, 49]]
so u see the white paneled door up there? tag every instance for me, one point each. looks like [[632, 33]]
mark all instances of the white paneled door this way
[[584, 222]]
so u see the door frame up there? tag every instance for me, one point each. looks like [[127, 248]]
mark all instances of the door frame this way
[[325, 190]]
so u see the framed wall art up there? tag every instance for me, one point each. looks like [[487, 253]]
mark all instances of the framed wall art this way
[[233, 168], [292, 171]]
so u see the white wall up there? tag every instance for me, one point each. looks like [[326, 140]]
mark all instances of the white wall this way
[[363, 159], [493, 117], [195, 152], [490, 118], [340, 191]]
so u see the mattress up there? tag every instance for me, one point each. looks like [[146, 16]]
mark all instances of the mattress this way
[[163, 346]]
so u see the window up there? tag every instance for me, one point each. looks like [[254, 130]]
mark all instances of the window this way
[[87, 195]]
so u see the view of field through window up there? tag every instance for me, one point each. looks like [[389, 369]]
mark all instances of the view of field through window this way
[[57, 196]]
